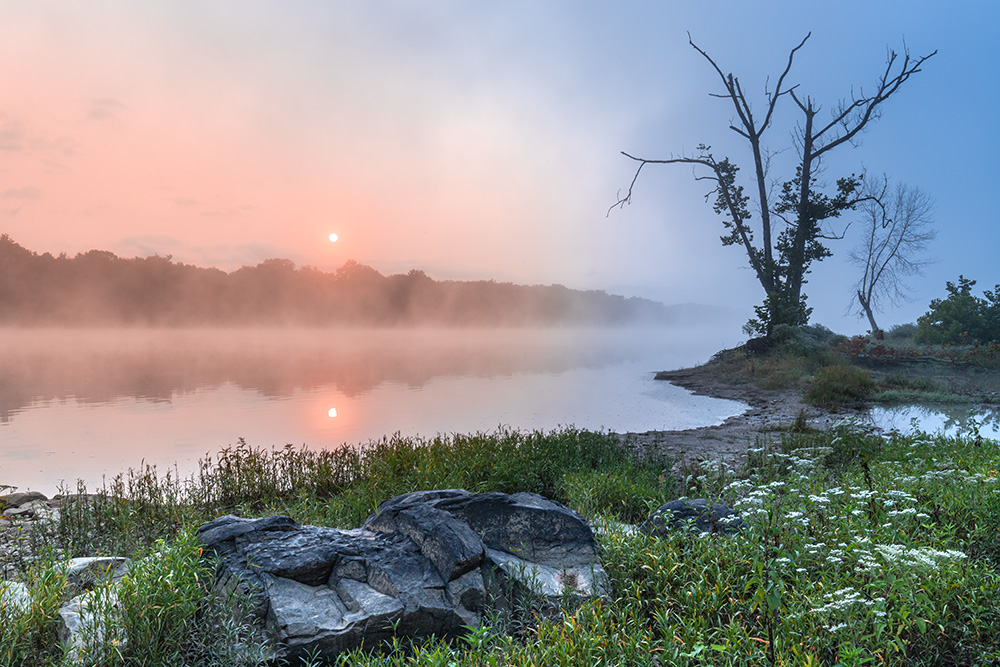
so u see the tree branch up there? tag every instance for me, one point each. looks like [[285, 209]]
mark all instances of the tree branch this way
[[869, 106]]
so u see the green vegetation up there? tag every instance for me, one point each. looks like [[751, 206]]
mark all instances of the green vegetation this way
[[961, 317], [864, 549], [785, 360], [834, 372], [839, 385]]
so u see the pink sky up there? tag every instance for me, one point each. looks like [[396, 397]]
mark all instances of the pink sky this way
[[469, 141], [231, 141]]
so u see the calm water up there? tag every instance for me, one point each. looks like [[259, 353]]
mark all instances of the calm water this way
[[952, 420], [79, 405]]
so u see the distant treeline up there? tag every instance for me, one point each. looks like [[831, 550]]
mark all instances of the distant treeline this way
[[98, 288]]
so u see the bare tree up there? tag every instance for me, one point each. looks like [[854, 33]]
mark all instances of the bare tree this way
[[897, 228], [791, 224]]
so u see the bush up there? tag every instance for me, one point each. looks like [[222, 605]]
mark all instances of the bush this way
[[901, 332], [839, 385], [961, 317], [810, 342]]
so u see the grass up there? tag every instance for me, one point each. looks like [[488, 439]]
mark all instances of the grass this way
[[839, 385], [834, 372], [864, 549]]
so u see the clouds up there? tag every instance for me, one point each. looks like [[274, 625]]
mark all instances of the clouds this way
[[104, 109], [25, 193], [12, 137]]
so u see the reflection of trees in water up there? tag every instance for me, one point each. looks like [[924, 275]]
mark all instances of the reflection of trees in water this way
[[972, 420], [96, 367], [952, 419]]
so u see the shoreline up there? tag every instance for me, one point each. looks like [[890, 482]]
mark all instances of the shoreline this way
[[728, 442], [767, 411]]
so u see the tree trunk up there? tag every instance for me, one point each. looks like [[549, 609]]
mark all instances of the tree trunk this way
[[866, 305], [804, 222]]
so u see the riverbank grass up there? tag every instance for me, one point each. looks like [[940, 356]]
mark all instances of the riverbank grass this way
[[863, 549]]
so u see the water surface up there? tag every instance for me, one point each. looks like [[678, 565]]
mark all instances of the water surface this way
[[946, 419], [84, 404]]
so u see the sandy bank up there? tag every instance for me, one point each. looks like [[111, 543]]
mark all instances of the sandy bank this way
[[769, 410]]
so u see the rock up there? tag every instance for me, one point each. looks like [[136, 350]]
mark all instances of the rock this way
[[81, 615], [528, 538], [21, 498], [696, 515], [28, 510], [94, 578], [426, 563], [15, 594], [86, 573]]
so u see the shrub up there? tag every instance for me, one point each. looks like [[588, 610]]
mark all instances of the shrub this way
[[840, 385], [961, 317], [901, 332]]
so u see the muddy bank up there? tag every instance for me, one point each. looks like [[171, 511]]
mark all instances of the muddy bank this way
[[769, 411]]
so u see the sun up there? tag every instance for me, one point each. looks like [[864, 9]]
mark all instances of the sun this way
[[333, 238]]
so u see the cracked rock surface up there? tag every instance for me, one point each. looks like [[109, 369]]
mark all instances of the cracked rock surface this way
[[429, 562]]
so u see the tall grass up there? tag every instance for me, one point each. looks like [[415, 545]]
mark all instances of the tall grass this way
[[863, 549], [340, 488]]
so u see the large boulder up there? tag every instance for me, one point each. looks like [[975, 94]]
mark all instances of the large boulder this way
[[424, 563]]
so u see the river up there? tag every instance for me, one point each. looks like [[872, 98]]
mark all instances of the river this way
[[88, 404]]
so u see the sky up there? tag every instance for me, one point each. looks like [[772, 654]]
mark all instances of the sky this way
[[475, 140]]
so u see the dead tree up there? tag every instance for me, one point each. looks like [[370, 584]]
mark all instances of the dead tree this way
[[896, 230], [782, 255]]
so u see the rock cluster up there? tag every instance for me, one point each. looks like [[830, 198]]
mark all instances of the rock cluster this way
[[25, 504], [19, 512], [425, 563]]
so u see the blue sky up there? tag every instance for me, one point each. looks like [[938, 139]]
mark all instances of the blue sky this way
[[473, 140]]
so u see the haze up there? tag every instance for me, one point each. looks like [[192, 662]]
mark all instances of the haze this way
[[469, 140]]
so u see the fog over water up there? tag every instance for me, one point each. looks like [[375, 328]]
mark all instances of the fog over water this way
[[86, 403]]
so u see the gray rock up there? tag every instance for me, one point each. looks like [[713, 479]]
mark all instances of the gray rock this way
[[697, 515], [425, 563], [21, 498], [15, 594], [81, 620], [28, 510], [86, 573]]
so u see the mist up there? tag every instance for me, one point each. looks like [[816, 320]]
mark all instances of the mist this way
[[89, 403], [98, 288], [100, 366]]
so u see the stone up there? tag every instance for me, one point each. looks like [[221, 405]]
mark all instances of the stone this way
[[696, 515], [530, 540], [28, 510], [425, 563], [15, 594], [88, 572], [21, 498], [80, 617]]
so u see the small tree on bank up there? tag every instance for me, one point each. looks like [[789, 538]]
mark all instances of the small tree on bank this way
[[791, 228], [961, 317], [896, 229]]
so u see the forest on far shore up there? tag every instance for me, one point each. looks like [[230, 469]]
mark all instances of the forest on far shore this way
[[98, 288]]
